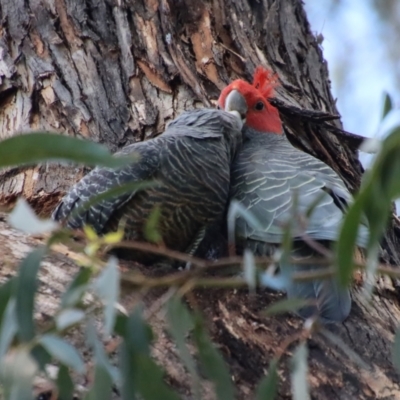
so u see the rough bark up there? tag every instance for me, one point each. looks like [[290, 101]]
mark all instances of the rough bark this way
[[117, 72]]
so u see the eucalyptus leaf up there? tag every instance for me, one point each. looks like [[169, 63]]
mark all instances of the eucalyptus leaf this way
[[268, 387], [106, 287], [114, 192], [121, 322], [9, 327], [299, 379], [6, 291], [102, 385], [63, 352], [338, 341], [287, 305], [180, 323], [65, 385], [140, 374], [372, 207], [236, 210], [76, 289], [69, 317], [151, 229], [35, 147], [17, 373], [127, 366], [214, 365], [150, 380], [41, 356], [25, 290], [100, 355], [314, 204], [387, 105], [24, 218], [347, 241], [250, 271], [275, 282]]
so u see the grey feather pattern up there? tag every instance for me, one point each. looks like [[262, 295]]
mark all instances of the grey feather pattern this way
[[191, 163], [266, 177]]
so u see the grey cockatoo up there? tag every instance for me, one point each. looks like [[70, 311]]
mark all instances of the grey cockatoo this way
[[191, 164], [267, 175]]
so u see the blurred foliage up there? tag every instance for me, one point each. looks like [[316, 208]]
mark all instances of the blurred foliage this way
[[25, 350]]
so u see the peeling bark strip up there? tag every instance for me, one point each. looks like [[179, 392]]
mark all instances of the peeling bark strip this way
[[116, 72]]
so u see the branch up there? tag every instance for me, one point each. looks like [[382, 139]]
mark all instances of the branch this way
[[310, 115]]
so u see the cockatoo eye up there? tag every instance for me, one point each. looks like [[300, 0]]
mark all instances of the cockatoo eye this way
[[259, 106]]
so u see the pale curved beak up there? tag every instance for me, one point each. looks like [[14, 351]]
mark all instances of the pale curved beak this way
[[236, 104]]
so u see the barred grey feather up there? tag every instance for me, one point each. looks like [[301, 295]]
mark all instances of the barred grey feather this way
[[191, 163], [265, 177]]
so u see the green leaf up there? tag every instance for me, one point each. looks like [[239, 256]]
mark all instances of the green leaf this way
[[17, 373], [127, 365], [140, 374], [64, 384], [59, 236], [105, 373], [180, 323], [38, 147], [381, 185], [300, 389], [213, 363], [179, 318], [249, 269], [396, 350], [350, 353], [90, 233], [387, 105], [346, 244], [102, 386], [63, 352], [106, 287], [6, 290], [287, 239], [287, 305], [41, 356], [9, 327], [274, 282], [69, 317], [24, 218], [314, 204], [143, 376], [25, 291], [268, 387], [73, 295], [121, 322], [114, 192], [138, 333], [113, 237], [151, 229], [100, 354], [235, 211]]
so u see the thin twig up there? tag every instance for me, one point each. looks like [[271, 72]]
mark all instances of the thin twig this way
[[202, 266], [159, 250], [233, 52]]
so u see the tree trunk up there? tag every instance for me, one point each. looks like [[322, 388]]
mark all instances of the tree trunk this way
[[117, 71]]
